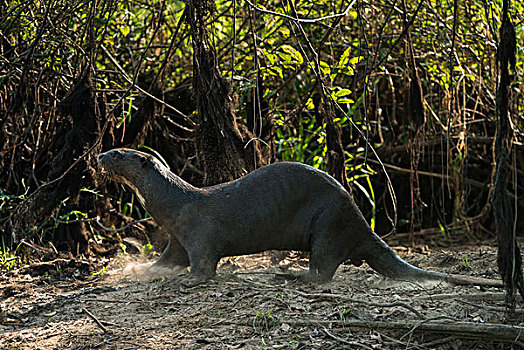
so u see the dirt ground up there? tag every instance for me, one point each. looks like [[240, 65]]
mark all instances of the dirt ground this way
[[250, 305]]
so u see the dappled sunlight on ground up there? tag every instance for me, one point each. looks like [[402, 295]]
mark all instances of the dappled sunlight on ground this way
[[250, 304]]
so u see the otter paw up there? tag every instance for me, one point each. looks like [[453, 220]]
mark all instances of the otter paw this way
[[164, 271], [192, 280]]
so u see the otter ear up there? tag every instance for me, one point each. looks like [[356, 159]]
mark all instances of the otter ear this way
[[143, 162]]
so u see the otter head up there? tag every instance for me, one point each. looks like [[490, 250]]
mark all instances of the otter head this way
[[126, 166]]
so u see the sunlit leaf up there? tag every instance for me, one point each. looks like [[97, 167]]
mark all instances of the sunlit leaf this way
[[125, 30]]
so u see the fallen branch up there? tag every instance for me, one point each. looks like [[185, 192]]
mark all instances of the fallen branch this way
[[463, 280], [477, 297], [344, 341], [439, 341], [124, 301], [492, 331]]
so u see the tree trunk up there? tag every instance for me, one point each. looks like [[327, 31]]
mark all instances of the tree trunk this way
[[225, 149], [508, 259]]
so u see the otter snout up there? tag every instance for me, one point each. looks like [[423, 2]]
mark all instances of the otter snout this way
[[110, 155], [101, 165], [106, 161], [101, 157]]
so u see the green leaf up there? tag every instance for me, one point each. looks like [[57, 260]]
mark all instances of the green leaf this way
[[309, 104], [346, 64], [342, 92], [356, 60], [344, 59], [325, 68], [285, 32], [125, 30], [271, 57], [291, 55], [340, 95]]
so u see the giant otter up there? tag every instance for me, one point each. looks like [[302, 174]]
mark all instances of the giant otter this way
[[286, 206]]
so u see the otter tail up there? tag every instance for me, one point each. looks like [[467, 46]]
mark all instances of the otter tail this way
[[385, 261]]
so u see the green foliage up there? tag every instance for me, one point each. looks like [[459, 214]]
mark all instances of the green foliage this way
[[123, 247], [464, 264], [9, 260], [363, 62], [130, 208], [265, 322], [304, 144], [147, 250], [100, 272]]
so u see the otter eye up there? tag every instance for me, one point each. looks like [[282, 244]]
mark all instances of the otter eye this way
[[143, 162]]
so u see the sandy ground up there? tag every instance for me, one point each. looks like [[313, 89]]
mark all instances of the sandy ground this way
[[249, 305]]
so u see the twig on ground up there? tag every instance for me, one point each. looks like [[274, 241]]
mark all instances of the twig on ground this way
[[344, 341], [360, 301], [488, 307], [412, 330], [437, 342], [97, 221], [31, 246], [114, 301], [97, 321]]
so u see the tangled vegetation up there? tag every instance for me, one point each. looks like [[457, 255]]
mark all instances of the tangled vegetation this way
[[400, 94]]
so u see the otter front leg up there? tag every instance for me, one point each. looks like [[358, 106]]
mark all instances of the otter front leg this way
[[201, 247], [321, 268], [203, 267], [199, 235], [324, 259], [174, 256], [203, 264]]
